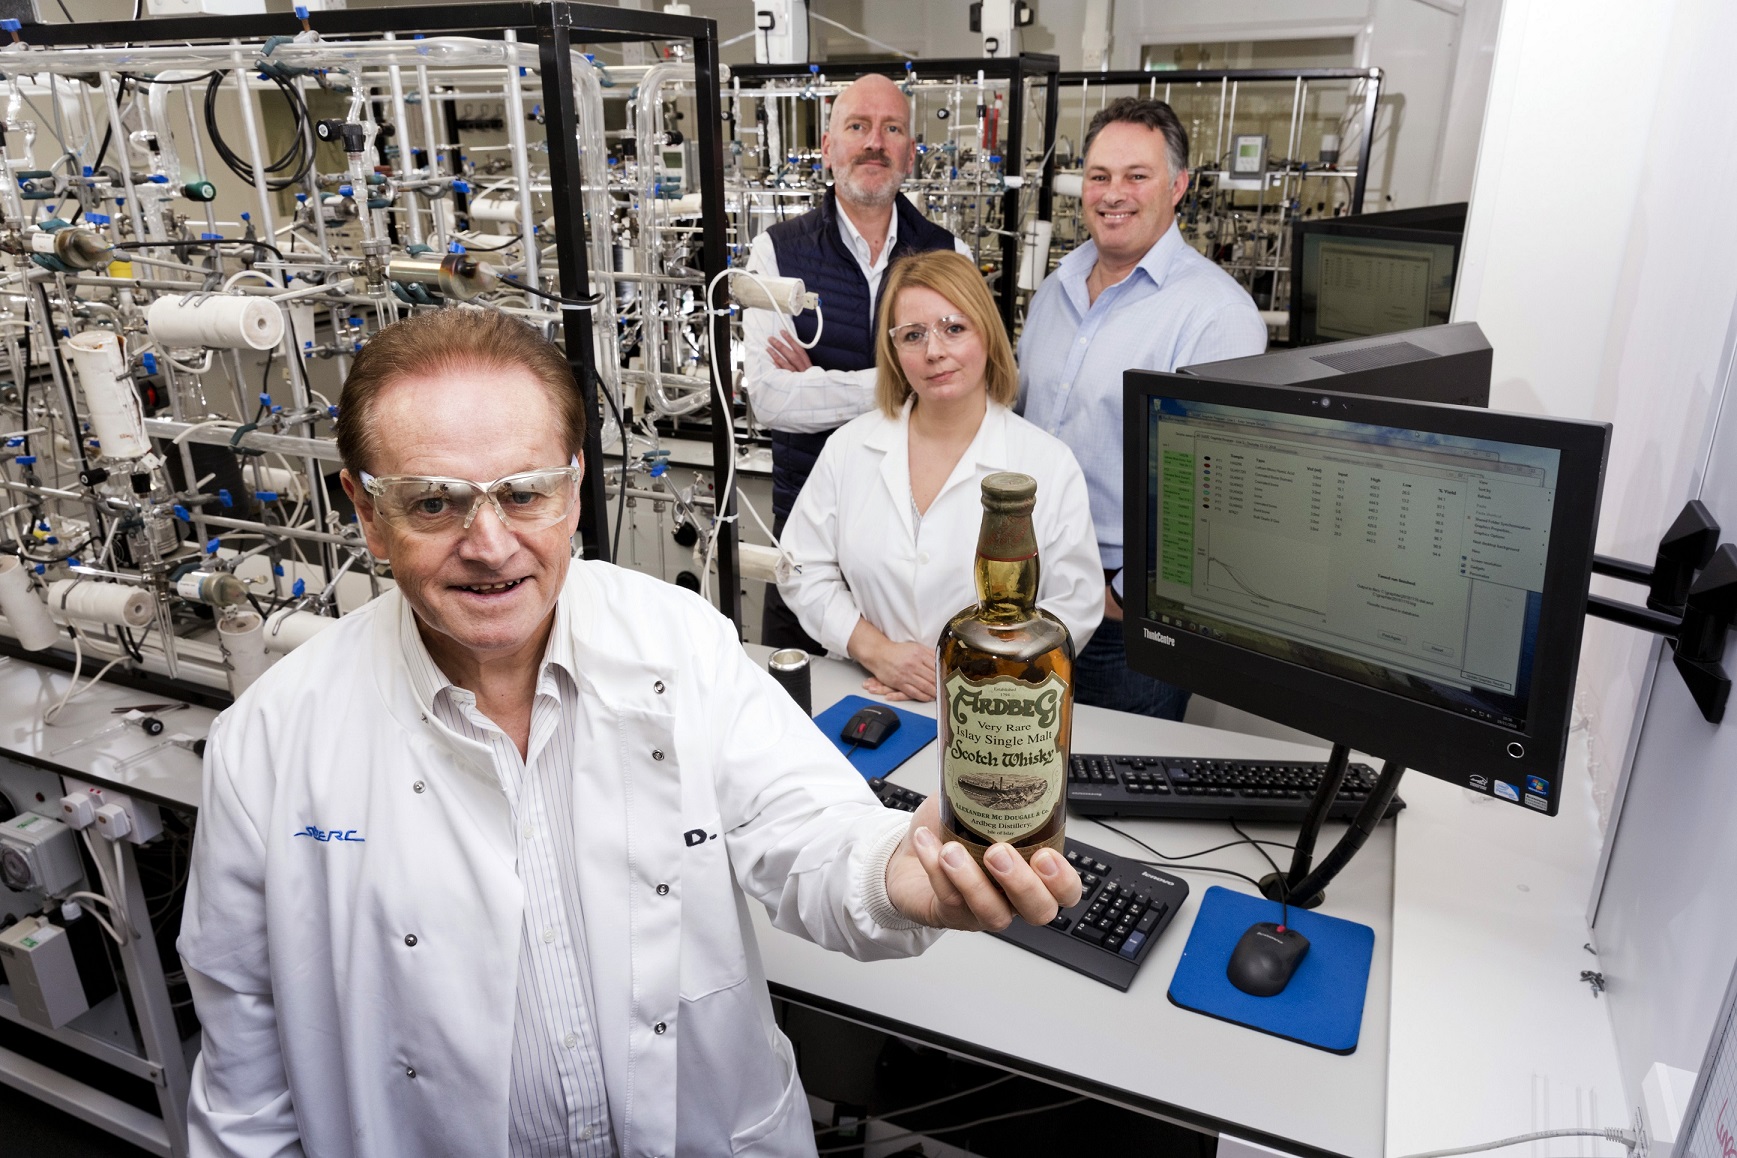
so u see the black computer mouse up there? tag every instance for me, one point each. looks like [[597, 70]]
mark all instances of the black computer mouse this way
[[870, 726], [1263, 961]]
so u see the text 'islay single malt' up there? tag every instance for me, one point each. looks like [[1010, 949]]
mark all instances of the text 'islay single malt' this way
[[1005, 673]]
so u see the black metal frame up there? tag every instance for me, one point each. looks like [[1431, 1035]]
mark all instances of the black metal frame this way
[[1016, 70], [1371, 95], [554, 26]]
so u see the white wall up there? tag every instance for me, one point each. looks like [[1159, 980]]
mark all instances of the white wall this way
[[1605, 295]]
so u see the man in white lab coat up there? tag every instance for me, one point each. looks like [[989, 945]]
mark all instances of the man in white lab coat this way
[[472, 867]]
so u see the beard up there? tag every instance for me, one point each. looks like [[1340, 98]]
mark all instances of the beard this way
[[859, 192]]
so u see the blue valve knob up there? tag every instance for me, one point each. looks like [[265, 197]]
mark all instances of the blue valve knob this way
[[15, 441], [158, 179], [72, 561], [265, 399], [39, 568], [26, 460], [460, 185], [88, 171], [299, 588], [210, 237], [266, 496], [247, 216], [277, 409], [52, 540], [224, 497], [301, 12], [814, 69], [277, 569], [454, 247], [211, 546], [301, 197], [43, 526], [181, 513], [97, 218], [331, 411], [345, 190], [149, 361], [356, 323], [11, 25]]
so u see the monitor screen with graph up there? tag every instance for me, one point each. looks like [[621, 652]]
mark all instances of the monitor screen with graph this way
[[1403, 577]]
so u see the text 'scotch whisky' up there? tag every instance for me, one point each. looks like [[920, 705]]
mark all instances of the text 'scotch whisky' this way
[[1005, 674]]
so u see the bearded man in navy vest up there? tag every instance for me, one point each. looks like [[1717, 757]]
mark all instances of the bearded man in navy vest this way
[[840, 250]]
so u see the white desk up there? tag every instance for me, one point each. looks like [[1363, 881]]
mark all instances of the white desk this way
[[1476, 1025], [1133, 1047]]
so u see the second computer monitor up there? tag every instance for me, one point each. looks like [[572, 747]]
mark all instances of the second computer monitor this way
[[1405, 578], [1449, 364]]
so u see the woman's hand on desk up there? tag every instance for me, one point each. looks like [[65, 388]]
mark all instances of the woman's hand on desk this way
[[898, 671], [935, 882]]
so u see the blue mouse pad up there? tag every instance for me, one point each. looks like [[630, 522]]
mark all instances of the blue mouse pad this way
[[914, 732], [1323, 1004]]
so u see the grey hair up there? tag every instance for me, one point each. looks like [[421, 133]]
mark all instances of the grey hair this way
[[1155, 115]]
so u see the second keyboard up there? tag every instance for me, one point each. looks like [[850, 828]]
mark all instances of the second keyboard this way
[[1185, 788]]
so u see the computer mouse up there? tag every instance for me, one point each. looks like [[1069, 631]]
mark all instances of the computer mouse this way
[[870, 726], [1263, 961]]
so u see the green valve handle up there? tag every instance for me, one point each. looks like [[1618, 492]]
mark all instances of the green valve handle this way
[[199, 189], [34, 174]]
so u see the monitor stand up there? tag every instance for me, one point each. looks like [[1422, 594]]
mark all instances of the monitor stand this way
[[1306, 889]]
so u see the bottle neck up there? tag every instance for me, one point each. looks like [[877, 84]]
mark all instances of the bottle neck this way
[[1006, 588]]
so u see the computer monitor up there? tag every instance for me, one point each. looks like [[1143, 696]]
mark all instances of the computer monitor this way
[[1405, 578], [1375, 273], [1448, 364]]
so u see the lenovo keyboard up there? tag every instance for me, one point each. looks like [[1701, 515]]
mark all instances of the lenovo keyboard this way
[[1123, 908], [1183, 788]]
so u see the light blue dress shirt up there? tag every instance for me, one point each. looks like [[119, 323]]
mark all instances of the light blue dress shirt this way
[[1175, 309]]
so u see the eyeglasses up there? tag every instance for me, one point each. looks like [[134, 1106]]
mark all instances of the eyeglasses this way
[[952, 329], [431, 505]]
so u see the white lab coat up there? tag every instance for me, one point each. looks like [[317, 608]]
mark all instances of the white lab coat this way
[[353, 919], [855, 546]]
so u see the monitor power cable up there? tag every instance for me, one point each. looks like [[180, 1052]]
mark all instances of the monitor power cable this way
[[1626, 1138]]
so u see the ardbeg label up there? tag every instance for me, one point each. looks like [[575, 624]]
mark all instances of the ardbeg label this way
[[1005, 764]]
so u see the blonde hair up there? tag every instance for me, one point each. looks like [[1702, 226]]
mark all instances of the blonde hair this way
[[953, 276]]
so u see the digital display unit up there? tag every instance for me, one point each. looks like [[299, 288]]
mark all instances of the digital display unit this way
[[1406, 578]]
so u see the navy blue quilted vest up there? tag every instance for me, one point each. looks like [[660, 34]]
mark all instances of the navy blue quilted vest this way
[[810, 248]]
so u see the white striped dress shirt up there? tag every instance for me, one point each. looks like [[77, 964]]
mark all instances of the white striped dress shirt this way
[[558, 1105]]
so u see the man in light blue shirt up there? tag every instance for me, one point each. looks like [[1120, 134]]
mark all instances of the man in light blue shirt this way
[[1134, 297]]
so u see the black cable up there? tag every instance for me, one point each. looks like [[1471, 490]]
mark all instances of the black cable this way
[[297, 159], [193, 243], [590, 301], [1164, 861], [1284, 884], [507, 244], [1025, 1113], [64, 12]]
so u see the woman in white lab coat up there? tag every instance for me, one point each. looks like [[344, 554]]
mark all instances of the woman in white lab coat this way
[[879, 549]]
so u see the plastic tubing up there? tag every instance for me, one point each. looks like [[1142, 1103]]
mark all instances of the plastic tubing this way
[[113, 404], [27, 614]]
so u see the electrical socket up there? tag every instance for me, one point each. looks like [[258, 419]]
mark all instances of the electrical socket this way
[[144, 820]]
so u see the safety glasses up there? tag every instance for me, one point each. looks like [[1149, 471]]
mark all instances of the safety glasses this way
[[432, 505], [952, 329]]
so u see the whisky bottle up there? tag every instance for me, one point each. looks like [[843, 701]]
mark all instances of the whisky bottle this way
[[1005, 673]]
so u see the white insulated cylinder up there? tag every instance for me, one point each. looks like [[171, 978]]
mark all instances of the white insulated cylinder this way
[[114, 411], [241, 635], [111, 603], [1034, 260], [27, 614], [1068, 185], [220, 321], [288, 629]]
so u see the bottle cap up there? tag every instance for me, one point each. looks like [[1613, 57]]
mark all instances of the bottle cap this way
[[1009, 492], [1007, 533]]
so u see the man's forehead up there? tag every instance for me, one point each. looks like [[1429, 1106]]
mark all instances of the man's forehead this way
[[873, 96], [1124, 144]]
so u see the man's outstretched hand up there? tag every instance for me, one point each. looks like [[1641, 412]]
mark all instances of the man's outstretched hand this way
[[935, 882]]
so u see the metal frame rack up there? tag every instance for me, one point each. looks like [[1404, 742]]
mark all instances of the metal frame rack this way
[[1161, 85], [1016, 72], [89, 295]]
